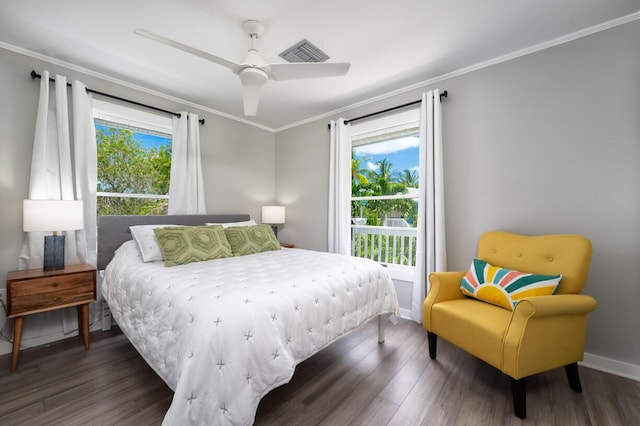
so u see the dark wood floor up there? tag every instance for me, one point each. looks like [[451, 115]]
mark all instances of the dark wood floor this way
[[355, 381]]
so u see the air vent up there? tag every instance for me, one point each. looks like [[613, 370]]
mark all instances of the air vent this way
[[304, 51]]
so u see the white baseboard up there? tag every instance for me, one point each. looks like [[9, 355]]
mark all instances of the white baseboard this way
[[405, 313], [6, 347], [608, 365]]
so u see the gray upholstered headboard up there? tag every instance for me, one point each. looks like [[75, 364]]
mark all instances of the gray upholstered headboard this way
[[114, 230]]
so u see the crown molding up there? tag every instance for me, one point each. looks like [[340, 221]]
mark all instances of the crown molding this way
[[92, 73], [432, 81], [504, 58]]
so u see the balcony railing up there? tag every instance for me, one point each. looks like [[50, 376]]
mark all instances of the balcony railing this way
[[387, 244]]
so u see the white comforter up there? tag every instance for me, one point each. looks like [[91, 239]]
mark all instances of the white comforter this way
[[225, 332]]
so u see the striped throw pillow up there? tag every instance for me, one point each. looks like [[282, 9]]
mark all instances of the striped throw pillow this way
[[505, 287]]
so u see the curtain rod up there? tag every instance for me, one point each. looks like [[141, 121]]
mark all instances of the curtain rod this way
[[35, 75], [362, 117]]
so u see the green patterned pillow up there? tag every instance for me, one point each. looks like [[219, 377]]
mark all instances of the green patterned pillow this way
[[505, 287], [185, 244], [251, 239]]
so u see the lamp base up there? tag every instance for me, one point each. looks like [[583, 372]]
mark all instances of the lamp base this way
[[53, 252], [275, 230]]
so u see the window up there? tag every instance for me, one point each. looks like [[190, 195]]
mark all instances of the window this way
[[384, 188], [134, 160]]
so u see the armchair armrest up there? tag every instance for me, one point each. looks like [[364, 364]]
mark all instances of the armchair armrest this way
[[443, 286], [546, 332], [558, 304]]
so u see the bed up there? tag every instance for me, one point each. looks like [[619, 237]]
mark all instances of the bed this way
[[223, 333]]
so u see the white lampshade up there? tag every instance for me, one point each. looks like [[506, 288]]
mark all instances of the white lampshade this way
[[273, 214], [52, 215]]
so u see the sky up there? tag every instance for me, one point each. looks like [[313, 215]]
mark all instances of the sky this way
[[146, 141], [151, 141], [402, 153]]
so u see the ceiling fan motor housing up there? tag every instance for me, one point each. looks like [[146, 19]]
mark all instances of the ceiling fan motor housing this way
[[254, 59], [253, 76]]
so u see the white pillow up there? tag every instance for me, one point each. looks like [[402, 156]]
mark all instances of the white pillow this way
[[147, 242], [229, 224]]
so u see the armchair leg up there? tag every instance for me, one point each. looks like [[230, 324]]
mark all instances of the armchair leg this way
[[519, 392], [433, 343], [573, 376]]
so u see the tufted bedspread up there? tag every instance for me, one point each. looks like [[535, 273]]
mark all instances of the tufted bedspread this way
[[223, 333]]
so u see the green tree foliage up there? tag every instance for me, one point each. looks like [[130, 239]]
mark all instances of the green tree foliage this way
[[383, 180], [126, 167], [409, 178], [358, 173]]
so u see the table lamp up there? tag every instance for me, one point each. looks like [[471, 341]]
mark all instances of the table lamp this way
[[52, 216], [274, 216]]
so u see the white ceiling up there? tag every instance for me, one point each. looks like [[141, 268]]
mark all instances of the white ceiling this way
[[391, 45]]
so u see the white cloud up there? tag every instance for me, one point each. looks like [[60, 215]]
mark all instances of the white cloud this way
[[387, 147], [372, 166]]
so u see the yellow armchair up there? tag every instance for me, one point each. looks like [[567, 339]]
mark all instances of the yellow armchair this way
[[541, 333]]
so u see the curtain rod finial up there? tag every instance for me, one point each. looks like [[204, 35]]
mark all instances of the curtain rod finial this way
[[35, 75]]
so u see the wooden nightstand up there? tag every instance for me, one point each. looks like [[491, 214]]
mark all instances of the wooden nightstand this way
[[34, 290]]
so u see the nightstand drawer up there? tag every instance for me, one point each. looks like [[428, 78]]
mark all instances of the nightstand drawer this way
[[68, 295], [51, 284], [39, 294]]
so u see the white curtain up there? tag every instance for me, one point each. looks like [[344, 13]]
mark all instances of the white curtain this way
[[186, 188], [340, 188], [431, 253], [63, 167]]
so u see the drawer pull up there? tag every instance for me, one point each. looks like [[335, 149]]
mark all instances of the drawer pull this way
[[55, 299], [55, 284]]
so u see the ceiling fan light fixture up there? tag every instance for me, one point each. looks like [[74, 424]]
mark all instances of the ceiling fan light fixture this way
[[253, 76]]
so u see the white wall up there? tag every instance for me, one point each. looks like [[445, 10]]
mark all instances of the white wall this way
[[545, 143], [238, 162]]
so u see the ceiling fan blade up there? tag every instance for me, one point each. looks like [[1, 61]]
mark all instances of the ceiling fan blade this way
[[300, 70], [251, 99], [252, 81], [233, 66]]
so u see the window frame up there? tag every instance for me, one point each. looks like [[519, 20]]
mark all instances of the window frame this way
[[129, 118], [404, 123]]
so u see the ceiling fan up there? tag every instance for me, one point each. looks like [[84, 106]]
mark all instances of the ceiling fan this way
[[254, 71]]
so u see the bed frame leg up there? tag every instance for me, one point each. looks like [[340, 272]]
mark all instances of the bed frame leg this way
[[381, 328]]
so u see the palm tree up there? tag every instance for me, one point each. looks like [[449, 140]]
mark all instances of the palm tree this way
[[358, 176], [382, 177], [409, 178]]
